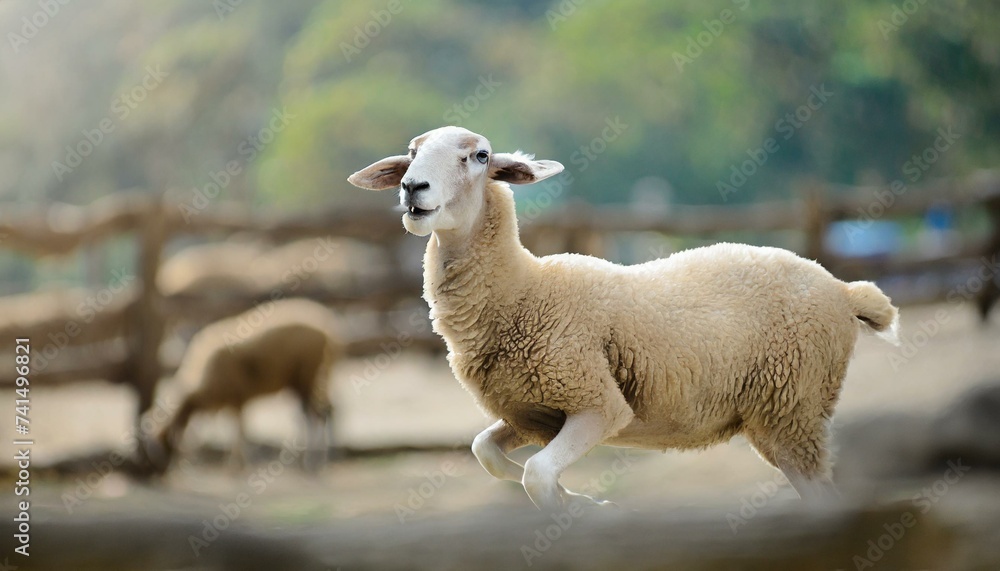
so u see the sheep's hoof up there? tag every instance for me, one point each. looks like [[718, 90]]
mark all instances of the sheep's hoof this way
[[570, 498]]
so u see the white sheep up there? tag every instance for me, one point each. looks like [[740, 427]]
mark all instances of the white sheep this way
[[571, 351], [287, 344]]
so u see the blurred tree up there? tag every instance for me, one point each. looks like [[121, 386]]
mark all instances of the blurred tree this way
[[682, 93]]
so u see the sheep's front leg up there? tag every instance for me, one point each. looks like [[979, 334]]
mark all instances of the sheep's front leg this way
[[578, 436], [491, 447]]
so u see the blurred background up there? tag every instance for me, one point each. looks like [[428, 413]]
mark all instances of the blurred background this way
[[171, 163]]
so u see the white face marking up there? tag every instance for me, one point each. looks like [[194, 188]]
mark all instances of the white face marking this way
[[446, 161]]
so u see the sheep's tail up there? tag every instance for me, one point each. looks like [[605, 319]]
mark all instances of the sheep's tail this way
[[874, 309]]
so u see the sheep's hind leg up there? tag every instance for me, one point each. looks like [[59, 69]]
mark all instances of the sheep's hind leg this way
[[578, 436], [819, 489], [805, 463], [807, 467], [491, 447]]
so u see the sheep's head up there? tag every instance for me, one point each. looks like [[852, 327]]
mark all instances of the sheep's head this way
[[443, 177]]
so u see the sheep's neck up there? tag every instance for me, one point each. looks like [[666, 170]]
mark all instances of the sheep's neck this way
[[468, 279]]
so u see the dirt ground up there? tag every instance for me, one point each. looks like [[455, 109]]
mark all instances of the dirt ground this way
[[413, 400]]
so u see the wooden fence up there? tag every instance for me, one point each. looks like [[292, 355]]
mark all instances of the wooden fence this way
[[122, 342]]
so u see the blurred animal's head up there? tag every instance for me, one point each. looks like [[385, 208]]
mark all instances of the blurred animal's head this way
[[442, 179]]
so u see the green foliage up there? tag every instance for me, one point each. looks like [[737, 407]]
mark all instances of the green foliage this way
[[699, 85]]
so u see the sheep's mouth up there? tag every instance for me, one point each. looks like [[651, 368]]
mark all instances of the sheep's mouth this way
[[415, 212]]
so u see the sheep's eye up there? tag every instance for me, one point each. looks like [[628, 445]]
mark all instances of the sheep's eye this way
[[482, 157], [465, 159], [413, 153]]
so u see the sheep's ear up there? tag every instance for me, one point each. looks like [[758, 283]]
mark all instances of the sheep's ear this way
[[518, 168], [384, 174]]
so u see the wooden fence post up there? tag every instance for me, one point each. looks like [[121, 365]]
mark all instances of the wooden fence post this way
[[816, 220], [146, 321], [991, 291]]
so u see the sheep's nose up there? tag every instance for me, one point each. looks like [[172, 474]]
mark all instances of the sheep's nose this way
[[412, 187]]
